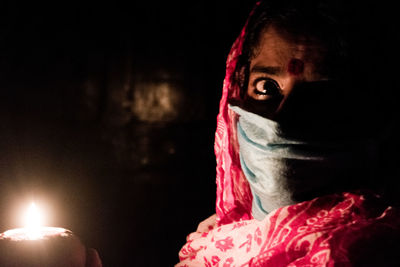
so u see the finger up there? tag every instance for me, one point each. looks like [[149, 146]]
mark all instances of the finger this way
[[93, 258]]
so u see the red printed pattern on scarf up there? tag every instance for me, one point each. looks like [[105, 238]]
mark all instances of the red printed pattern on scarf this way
[[312, 233]]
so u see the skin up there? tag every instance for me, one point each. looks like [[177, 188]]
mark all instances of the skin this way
[[93, 258], [286, 61]]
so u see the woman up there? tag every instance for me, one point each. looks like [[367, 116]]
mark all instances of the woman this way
[[294, 155]]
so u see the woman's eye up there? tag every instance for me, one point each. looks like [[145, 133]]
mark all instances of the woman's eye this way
[[267, 87]]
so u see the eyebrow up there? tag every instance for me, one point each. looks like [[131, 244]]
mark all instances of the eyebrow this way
[[266, 69]]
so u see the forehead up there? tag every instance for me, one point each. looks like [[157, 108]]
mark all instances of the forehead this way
[[276, 48]]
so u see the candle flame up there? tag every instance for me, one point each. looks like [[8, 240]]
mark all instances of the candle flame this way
[[33, 227], [33, 221]]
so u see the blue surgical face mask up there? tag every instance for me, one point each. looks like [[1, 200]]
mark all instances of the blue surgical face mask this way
[[283, 170]]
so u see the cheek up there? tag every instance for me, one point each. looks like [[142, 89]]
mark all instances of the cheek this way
[[295, 66], [250, 91]]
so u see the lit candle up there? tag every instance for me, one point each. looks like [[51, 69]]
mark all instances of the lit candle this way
[[38, 245], [34, 228]]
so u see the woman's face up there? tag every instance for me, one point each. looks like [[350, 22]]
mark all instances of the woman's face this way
[[281, 64]]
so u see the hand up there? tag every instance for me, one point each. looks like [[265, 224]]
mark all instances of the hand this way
[[207, 225], [92, 258]]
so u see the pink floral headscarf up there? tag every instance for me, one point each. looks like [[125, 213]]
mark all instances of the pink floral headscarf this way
[[233, 192]]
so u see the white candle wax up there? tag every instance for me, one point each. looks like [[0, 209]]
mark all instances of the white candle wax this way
[[36, 233]]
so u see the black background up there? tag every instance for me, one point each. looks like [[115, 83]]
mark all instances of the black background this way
[[127, 185], [131, 188]]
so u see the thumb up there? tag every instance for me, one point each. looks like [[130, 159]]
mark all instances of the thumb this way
[[93, 258]]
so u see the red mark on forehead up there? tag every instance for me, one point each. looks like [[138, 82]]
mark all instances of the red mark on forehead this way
[[295, 66]]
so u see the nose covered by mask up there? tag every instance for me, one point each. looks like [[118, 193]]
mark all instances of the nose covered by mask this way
[[283, 169]]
